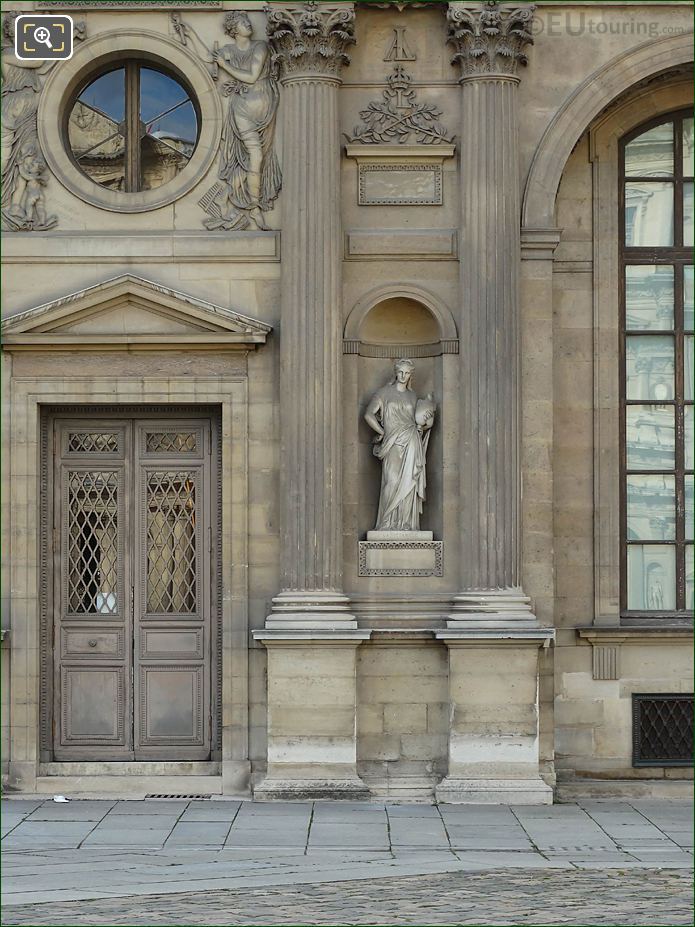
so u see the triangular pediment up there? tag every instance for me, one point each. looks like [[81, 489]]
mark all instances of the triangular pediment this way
[[130, 312]]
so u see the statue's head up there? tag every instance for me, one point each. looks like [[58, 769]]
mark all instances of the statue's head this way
[[403, 371], [8, 28], [237, 23]]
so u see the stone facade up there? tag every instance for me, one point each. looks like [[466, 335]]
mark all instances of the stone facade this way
[[365, 182]]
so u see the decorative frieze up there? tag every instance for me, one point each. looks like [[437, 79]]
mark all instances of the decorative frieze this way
[[310, 38], [491, 39]]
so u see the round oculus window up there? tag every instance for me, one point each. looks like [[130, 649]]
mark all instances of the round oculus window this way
[[133, 128]]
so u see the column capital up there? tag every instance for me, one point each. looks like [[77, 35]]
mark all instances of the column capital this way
[[489, 38], [310, 39]]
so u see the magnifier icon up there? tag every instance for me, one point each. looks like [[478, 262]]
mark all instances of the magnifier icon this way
[[43, 35]]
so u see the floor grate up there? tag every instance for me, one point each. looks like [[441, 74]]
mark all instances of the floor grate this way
[[179, 797]]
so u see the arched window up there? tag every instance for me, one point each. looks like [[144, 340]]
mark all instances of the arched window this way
[[657, 368]]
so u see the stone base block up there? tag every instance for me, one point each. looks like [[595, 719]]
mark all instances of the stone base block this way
[[494, 792], [400, 558], [349, 789]]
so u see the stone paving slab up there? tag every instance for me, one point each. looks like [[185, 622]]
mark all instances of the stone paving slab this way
[[521, 897], [121, 849]]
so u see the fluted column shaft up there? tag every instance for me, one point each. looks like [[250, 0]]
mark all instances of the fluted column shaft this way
[[490, 262], [311, 337]]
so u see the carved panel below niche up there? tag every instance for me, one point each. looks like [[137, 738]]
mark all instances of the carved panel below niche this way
[[400, 558], [448, 346], [400, 175]]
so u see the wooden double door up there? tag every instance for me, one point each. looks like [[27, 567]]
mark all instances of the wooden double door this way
[[133, 592]]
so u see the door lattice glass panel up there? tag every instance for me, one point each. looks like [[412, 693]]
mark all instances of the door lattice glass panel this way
[[171, 542], [93, 442], [166, 442], [92, 542]]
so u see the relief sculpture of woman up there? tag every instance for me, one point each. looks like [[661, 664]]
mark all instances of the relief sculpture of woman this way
[[249, 177], [402, 424]]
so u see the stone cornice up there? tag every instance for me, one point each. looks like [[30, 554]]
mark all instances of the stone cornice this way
[[310, 39], [490, 39]]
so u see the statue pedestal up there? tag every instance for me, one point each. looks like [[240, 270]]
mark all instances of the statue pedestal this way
[[400, 553]]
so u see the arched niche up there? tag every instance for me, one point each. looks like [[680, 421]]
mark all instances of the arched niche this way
[[393, 321], [386, 324]]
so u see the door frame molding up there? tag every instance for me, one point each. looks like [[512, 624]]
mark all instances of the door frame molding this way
[[28, 475]]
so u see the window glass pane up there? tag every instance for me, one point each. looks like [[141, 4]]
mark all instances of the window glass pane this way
[[650, 438], [688, 308], [689, 436], [649, 297], [689, 579], [106, 95], [651, 577], [689, 514], [651, 508], [171, 128], [689, 361], [649, 367], [688, 147], [688, 213], [651, 153], [93, 130], [648, 214]]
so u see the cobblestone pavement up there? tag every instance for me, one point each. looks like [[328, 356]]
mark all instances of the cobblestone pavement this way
[[149, 862], [520, 897]]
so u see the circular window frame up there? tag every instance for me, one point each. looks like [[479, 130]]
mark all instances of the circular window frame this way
[[93, 58]]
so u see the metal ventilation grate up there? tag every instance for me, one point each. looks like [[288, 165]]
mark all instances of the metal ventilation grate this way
[[179, 797], [662, 730]]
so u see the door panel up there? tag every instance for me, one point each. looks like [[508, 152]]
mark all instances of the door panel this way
[[132, 589], [93, 706], [172, 676]]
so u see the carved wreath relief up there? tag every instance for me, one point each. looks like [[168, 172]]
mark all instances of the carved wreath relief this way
[[249, 176], [24, 171]]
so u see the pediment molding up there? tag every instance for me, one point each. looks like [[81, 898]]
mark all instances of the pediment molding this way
[[131, 313]]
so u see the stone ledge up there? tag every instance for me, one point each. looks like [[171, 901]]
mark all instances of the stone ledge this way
[[622, 635], [150, 247]]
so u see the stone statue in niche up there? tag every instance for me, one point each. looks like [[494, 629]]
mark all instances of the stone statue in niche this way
[[402, 423], [249, 176]]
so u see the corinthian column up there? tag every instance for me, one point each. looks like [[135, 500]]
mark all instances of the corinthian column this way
[[310, 636], [489, 45], [492, 636], [309, 42]]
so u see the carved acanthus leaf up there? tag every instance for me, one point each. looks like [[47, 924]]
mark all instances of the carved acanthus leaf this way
[[399, 117], [310, 37], [490, 40]]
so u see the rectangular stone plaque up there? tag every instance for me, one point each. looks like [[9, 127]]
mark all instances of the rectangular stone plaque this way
[[400, 558], [400, 184]]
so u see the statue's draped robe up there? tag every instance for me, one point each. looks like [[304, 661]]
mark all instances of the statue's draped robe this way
[[402, 453], [250, 105], [20, 100]]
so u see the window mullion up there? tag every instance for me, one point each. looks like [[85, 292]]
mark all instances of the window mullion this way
[[132, 107]]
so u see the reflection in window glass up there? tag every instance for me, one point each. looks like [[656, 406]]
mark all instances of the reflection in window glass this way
[[648, 214], [649, 367], [128, 150], [689, 437], [688, 147], [689, 502], [650, 438], [651, 153], [651, 577], [649, 297], [688, 213], [688, 307], [689, 579], [689, 362], [651, 508]]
